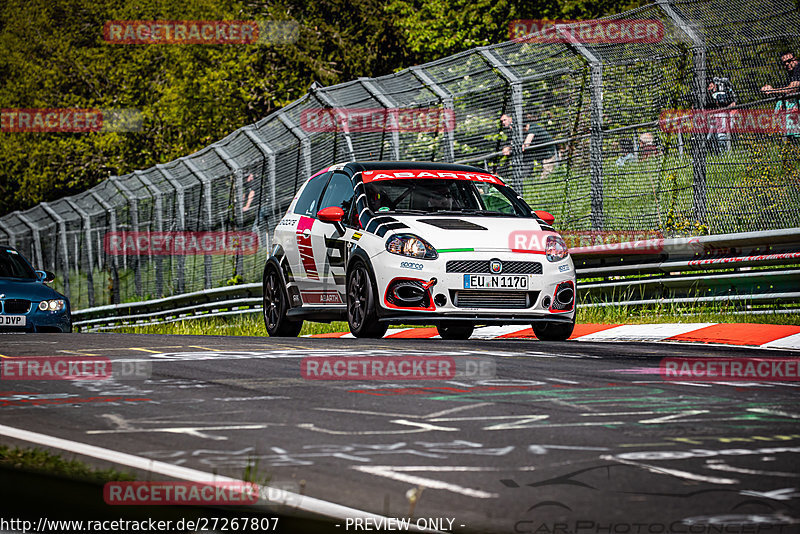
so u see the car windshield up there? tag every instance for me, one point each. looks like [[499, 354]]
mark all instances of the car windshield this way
[[427, 196], [13, 265]]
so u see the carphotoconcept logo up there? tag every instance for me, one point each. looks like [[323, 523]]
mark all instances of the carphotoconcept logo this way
[[396, 368], [69, 120], [204, 32], [587, 31], [180, 243], [319, 120]]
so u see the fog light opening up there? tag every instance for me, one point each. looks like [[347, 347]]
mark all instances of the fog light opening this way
[[440, 300], [546, 301]]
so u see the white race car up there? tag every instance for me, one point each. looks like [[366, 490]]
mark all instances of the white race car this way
[[382, 243]]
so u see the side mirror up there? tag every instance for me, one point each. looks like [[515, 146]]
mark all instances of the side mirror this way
[[45, 276], [548, 218], [331, 214]]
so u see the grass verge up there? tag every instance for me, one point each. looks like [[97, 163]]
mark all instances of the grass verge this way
[[253, 325], [43, 461]]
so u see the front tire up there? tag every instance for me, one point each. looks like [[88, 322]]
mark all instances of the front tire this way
[[553, 331], [276, 307], [362, 315], [455, 330]]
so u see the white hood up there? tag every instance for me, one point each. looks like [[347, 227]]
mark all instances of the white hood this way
[[446, 232]]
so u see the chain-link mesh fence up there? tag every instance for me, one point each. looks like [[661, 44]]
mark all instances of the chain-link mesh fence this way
[[598, 152]]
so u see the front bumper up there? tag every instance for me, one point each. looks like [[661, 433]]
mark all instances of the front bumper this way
[[42, 321], [448, 300]]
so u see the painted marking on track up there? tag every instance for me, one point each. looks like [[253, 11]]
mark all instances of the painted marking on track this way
[[679, 415], [422, 427], [521, 421], [672, 472], [399, 474], [196, 431], [719, 465], [301, 502], [145, 350], [79, 352], [542, 449], [203, 348], [774, 412]]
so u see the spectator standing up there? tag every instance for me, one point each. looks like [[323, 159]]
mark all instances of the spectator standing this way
[[719, 96], [792, 87]]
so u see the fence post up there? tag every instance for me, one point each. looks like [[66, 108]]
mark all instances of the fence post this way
[[447, 103], [180, 198], [112, 215], [238, 197], [697, 148], [206, 193], [517, 137], [133, 206], [159, 209], [328, 101], [596, 125], [87, 236], [62, 242], [305, 143], [269, 155], [388, 104], [38, 260]]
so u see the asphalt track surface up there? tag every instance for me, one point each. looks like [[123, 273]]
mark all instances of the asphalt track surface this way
[[567, 438]]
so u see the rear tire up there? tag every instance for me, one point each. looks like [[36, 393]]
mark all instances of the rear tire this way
[[455, 330], [553, 331], [362, 315], [276, 307]]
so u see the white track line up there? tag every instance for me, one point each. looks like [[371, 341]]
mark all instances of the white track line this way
[[292, 500]]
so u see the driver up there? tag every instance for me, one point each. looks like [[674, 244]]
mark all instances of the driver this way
[[440, 197]]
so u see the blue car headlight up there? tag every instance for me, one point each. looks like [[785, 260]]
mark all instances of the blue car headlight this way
[[412, 246], [52, 305]]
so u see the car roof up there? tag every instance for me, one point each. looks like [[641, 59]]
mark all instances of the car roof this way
[[358, 166]]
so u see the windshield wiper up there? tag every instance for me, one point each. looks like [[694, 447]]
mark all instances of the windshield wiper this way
[[488, 213], [405, 212]]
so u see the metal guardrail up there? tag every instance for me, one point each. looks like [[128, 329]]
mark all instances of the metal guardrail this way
[[747, 268]]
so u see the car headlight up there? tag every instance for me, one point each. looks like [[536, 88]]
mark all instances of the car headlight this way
[[555, 249], [52, 305], [411, 245]]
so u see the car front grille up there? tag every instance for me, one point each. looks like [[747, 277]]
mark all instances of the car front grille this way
[[518, 300], [482, 267], [13, 306]]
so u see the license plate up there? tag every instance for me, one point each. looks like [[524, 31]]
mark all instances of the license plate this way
[[504, 281], [12, 320]]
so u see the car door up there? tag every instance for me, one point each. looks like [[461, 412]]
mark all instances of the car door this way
[[294, 233], [330, 244]]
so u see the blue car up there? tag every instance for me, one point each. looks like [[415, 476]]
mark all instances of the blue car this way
[[26, 303]]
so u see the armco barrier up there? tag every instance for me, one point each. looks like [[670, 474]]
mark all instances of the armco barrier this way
[[746, 268]]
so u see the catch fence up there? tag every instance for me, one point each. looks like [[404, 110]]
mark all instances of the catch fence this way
[[603, 157]]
